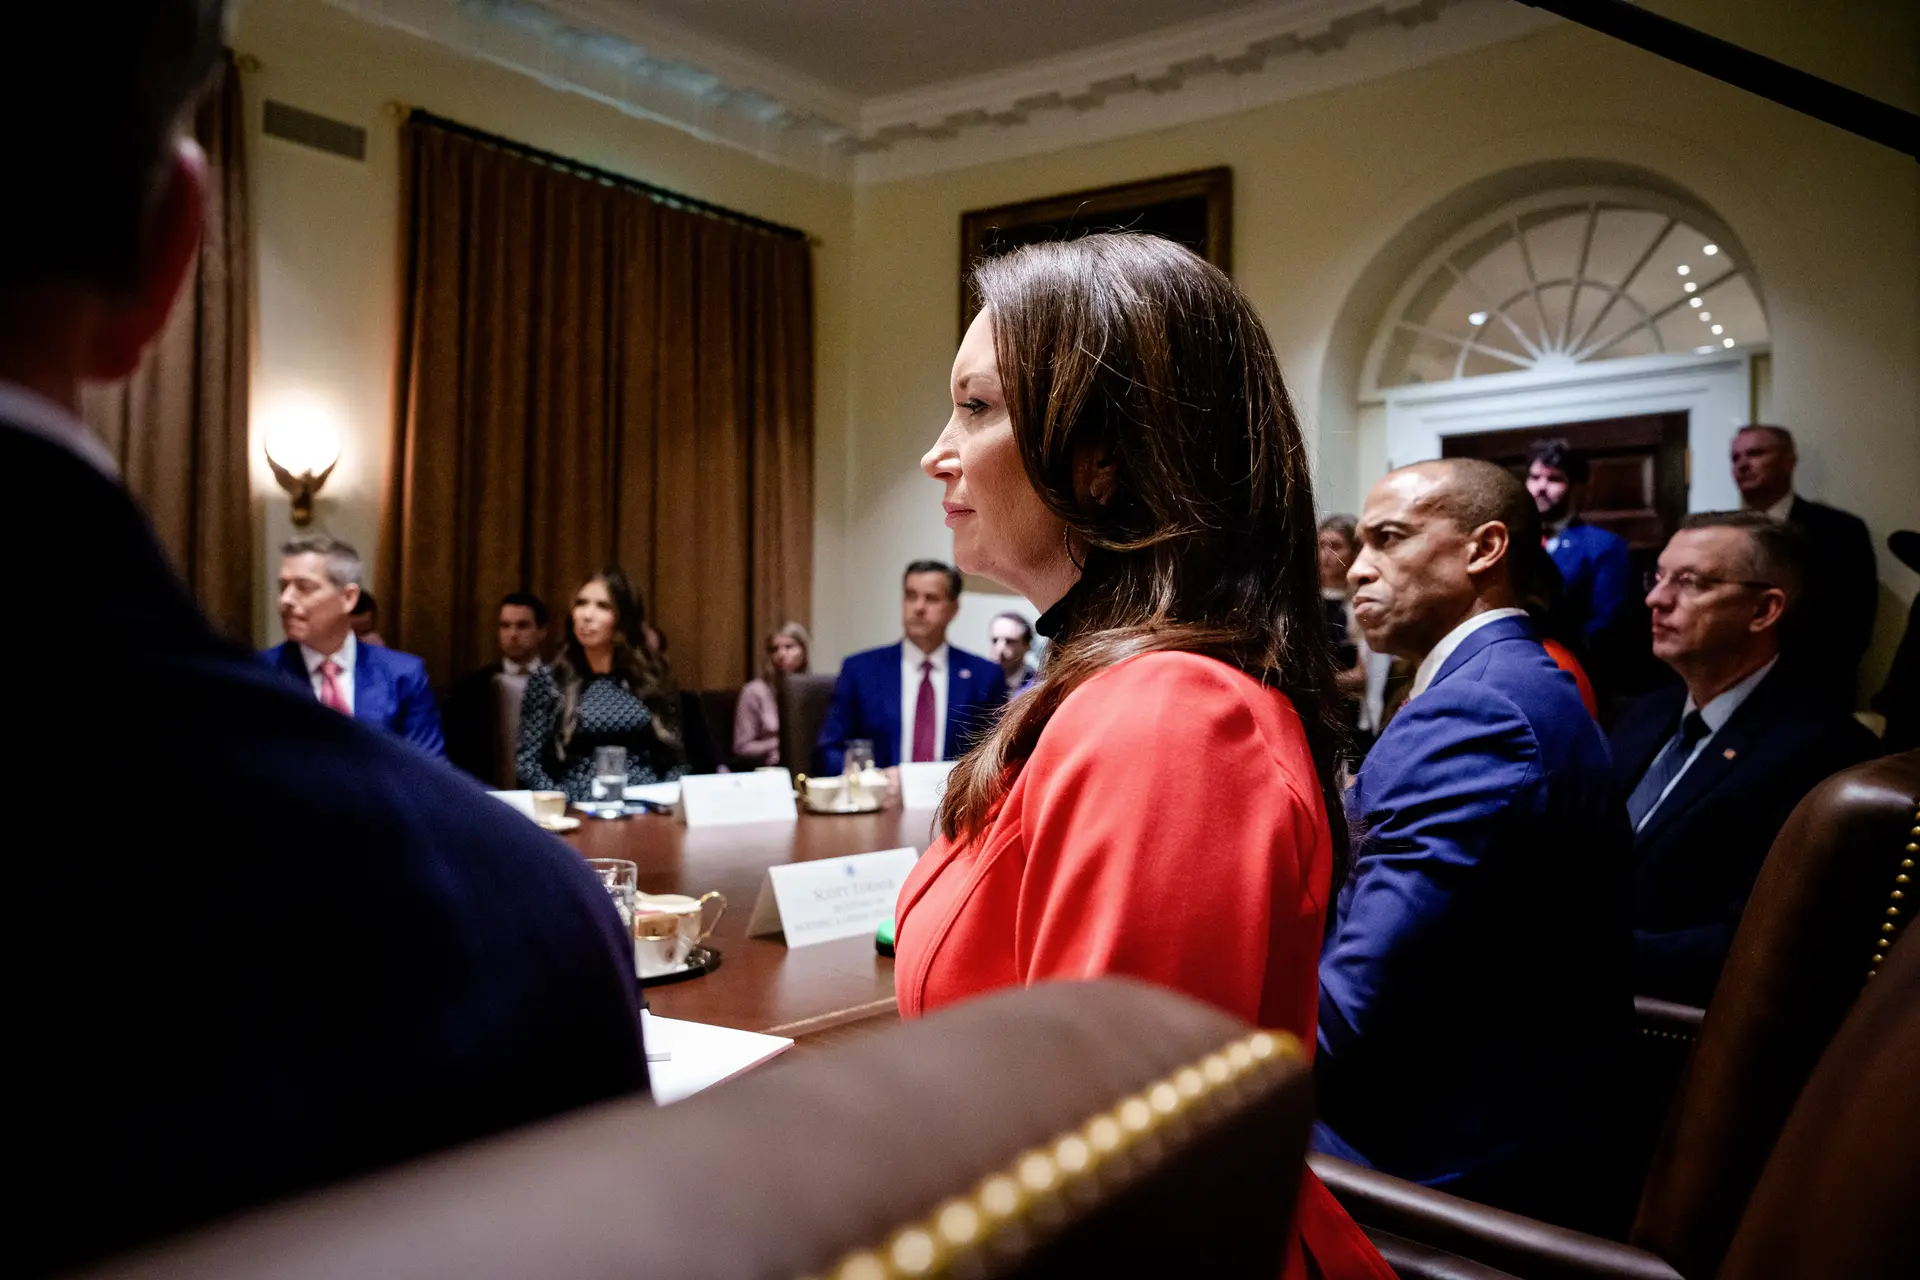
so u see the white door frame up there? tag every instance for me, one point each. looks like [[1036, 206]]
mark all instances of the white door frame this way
[[1713, 390]]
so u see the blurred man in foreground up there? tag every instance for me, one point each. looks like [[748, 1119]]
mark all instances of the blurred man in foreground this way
[[276, 949], [1485, 814]]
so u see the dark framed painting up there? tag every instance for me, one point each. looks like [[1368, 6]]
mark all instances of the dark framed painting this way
[[1195, 209]]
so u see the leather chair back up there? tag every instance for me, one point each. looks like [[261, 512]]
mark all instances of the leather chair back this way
[[1828, 899], [717, 707], [1840, 1195], [803, 700], [1068, 1129]]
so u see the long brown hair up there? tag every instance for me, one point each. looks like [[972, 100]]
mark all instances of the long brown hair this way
[[645, 674], [1131, 351]]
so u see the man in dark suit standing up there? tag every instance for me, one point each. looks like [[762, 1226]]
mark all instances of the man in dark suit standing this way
[[481, 712], [1593, 562], [1829, 629], [920, 699], [382, 688], [1474, 998], [262, 948], [1712, 769]]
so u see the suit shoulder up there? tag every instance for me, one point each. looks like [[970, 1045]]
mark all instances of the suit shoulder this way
[[1162, 695], [872, 657]]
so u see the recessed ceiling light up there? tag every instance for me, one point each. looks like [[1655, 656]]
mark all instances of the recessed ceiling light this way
[[1690, 286], [1726, 342], [1684, 269], [1705, 316], [1719, 329], [1709, 249], [1477, 319], [1700, 351], [1693, 302]]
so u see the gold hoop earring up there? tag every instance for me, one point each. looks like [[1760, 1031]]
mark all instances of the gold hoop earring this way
[[1066, 543]]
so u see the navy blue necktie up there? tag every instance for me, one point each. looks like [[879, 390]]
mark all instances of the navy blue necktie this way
[[1665, 768]]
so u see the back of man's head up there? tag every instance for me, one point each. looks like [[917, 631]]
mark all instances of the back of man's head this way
[[1473, 493], [94, 91]]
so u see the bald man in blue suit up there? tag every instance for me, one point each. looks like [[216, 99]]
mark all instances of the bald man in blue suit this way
[[1475, 989]]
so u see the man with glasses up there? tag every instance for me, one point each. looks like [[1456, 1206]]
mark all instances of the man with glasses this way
[[1712, 769]]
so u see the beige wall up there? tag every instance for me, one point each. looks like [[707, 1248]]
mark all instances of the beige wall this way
[[1336, 195], [1324, 187], [326, 237]]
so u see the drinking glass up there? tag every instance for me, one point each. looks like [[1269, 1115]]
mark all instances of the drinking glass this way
[[858, 759], [610, 776], [622, 879]]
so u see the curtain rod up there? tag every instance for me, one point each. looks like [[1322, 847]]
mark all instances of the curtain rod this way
[[567, 164], [1789, 86]]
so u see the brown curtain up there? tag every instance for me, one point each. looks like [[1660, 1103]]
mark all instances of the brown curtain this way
[[178, 425], [589, 375]]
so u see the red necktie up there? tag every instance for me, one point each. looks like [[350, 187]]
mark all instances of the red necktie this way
[[330, 694], [923, 713]]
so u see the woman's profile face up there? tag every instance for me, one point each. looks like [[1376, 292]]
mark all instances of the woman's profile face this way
[[1000, 526], [593, 615], [787, 654]]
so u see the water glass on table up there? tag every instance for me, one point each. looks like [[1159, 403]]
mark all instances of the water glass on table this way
[[857, 760], [622, 879], [610, 780]]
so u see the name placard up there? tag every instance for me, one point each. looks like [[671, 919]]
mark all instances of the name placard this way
[[723, 799], [831, 898], [922, 784]]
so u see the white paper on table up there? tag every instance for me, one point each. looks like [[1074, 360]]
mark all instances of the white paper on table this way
[[519, 801], [701, 1055], [922, 783], [721, 799], [667, 793]]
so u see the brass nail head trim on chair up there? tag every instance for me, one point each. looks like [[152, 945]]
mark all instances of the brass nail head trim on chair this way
[[1026, 1200]]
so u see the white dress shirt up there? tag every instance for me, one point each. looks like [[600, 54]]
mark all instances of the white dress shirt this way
[[1780, 510], [910, 660], [1430, 665], [343, 681], [36, 415], [1716, 714]]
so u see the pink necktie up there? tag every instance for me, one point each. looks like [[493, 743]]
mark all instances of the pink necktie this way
[[330, 694], [923, 713]]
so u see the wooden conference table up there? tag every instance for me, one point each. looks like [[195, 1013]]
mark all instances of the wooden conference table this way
[[821, 994]]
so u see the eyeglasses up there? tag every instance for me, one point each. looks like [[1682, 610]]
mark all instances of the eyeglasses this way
[[1688, 583]]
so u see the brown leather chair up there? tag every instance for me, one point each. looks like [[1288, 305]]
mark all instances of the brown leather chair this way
[[1070, 1129], [716, 708], [1829, 902], [803, 700]]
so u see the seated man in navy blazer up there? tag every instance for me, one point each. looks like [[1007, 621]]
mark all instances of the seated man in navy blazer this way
[[920, 699], [279, 950], [1712, 769], [1474, 997], [382, 688]]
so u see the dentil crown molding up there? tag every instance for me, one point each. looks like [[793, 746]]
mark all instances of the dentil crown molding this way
[[660, 70]]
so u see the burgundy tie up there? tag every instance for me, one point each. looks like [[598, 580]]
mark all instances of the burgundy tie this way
[[923, 713], [330, 694]]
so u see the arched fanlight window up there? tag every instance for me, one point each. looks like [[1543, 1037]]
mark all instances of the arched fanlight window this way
[[1568, 277]]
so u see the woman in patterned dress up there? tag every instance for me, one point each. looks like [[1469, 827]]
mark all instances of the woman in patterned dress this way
[[604, 689]]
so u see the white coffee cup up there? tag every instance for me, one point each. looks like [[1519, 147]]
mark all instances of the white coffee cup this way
[[668, 926]]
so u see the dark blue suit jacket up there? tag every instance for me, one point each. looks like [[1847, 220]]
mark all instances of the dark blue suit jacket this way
[[390, 691], [1697, 856], [1474, 996], [282, 949], [1598, 574], [866, 704]]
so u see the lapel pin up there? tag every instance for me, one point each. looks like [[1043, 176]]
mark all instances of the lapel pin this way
[[966, 675], [1728, 753]]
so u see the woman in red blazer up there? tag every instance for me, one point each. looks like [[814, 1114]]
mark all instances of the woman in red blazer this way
[[1157, 805]]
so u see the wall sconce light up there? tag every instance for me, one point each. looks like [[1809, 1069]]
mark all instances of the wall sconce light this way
[[303, 448]]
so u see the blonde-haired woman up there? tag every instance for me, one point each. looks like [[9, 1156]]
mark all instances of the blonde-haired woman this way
[[756, 720]]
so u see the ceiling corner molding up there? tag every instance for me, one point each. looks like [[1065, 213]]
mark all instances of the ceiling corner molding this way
[[658, 70]]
